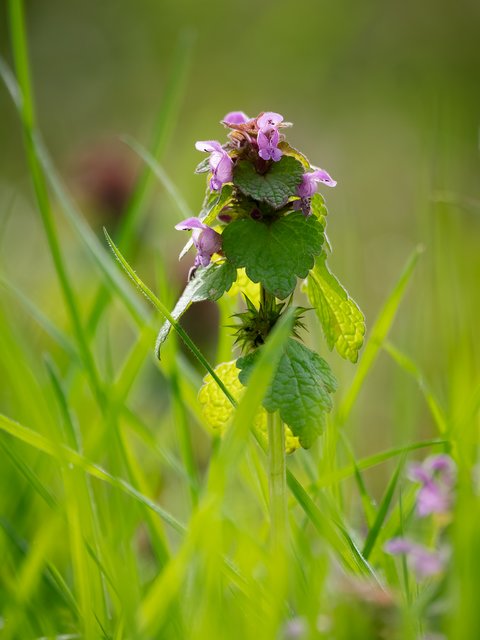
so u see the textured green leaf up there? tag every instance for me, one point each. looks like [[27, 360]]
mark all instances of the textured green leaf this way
[[274, 252], [215, 203], [275, 186], [209, 283], [318, 208], [288, 150], [300, 390], [218, 411], [342, 321]]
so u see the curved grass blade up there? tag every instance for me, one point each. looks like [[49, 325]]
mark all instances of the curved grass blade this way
[[382, 511], [408, 365], [378, 334], [165, 312], [68, 456]]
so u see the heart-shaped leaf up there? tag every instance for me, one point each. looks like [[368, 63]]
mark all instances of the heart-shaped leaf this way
[[274, 252]]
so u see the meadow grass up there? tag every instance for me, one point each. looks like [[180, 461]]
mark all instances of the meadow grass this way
[[122, 522]]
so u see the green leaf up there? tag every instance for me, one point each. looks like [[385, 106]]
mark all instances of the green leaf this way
[[295, 153], [273, 187], [376, 528], [215, 203], [318, 208], [209, 283], [300, 390], [342, 321], [274, 253]]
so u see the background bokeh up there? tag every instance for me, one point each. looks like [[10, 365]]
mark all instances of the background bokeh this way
[[384, 95]]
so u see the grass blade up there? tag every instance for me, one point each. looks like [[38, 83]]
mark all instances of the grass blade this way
[[377, 336], [382, 511]]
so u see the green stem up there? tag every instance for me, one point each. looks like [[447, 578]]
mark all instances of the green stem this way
[[276, 462], [277, 479]]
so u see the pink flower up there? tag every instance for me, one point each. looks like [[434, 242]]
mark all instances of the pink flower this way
[[235, 117], [424, 562], [206, 240], [269, 120], [268, 136], [308, 185], [267, 145], [437, 477], [221, 165]]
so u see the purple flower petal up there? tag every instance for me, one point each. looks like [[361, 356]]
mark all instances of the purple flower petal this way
[[189, 224], [223, 170], [269, 119], [235, 117], [209, 242], [436, 475], [321, 175], [221, 165], [276, 154], [418, 473], [208, 146], [206, 240], [397, 546], [432, 498], [442, 462], [308, 185], [425, 562], [267, 145]]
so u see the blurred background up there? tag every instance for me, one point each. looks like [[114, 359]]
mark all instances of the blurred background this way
[[384, 95]]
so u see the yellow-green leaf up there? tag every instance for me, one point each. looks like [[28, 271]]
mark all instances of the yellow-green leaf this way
[[342, 321], [218, 411]]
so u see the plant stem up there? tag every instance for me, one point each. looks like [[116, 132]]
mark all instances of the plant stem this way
[[277, 479], [276, 462]]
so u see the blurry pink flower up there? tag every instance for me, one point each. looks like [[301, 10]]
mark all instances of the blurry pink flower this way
[[424, 562], [437, 477]]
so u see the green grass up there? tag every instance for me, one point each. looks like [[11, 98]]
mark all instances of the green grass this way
[[122, 516]]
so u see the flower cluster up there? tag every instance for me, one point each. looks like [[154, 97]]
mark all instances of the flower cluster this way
[[260, 142], [436, 476]]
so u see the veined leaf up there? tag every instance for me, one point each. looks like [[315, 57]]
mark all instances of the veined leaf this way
[[215, 204], [273, 187], [288, 150], [318, 208], [209, 283], [342, 321], [274, 253], [300, 390]]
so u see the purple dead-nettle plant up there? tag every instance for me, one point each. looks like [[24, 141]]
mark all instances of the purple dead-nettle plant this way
[[435, 497], [437, 478], [262, 227], [424, 562]]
